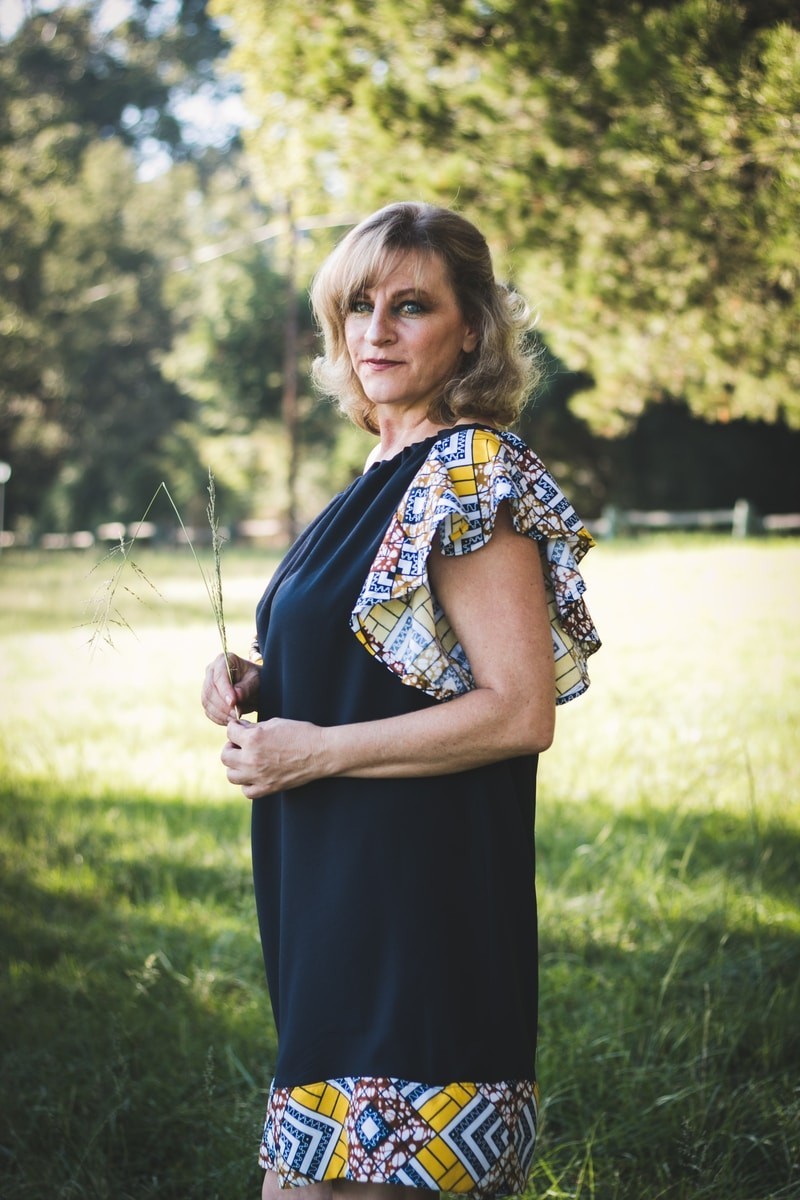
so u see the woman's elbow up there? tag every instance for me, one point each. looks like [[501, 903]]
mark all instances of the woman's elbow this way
[[541, 736], [534, 727]]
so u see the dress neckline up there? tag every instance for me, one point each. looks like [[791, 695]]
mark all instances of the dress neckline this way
[[428, 441]]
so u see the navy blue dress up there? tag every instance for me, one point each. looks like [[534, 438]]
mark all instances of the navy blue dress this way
[[391, 912], [398, 916]]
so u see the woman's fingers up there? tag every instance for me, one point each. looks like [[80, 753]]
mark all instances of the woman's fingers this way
[[272, 756], [218, 696]]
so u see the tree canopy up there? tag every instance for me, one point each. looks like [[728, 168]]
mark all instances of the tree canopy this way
[[635, 165], [97, 404]]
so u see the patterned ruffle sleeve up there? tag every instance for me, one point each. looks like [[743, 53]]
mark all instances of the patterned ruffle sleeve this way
[[456, 493]]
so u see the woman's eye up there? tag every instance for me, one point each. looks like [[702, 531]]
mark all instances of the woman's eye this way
[[407, 308]]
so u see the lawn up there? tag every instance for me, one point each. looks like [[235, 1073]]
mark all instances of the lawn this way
[[137, 1041]]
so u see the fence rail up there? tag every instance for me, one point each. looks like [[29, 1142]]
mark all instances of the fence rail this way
[[743, 520]]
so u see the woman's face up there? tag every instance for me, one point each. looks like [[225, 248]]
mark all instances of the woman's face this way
[[405, 334]]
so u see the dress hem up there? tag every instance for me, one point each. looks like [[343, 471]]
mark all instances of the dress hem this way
[[471, 1139]]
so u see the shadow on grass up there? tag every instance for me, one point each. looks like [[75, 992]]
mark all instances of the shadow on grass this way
[[753, 855], [138, 1040], [137, 1036], [670, 973]]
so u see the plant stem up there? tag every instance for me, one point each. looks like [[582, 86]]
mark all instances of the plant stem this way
[[106, 615]]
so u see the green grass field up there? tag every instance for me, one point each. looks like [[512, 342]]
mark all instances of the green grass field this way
[[137, 1041]]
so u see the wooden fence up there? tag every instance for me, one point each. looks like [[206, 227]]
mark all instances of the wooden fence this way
[[743, 520]]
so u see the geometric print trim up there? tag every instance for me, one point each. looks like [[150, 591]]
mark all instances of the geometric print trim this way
[[456, 494], [474, 1139]]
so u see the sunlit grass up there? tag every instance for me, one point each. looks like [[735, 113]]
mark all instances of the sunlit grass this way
[[133, 704], [669, 837], [137, 1041]]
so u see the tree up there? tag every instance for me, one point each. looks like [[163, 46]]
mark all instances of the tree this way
[[635, 166], [84, 405], [229, 315]]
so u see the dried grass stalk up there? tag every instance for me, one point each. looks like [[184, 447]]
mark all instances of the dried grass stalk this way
[[105, 615]]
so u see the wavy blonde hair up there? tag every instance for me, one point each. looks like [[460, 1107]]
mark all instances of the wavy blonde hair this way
[[493, 380]]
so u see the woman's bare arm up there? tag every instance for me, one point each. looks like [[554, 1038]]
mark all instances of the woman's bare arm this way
[[495, 601]]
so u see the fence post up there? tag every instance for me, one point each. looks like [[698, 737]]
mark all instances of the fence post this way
[[611, 521], [745, 521]]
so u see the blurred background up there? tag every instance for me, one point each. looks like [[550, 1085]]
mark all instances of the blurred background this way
[[173, 171]]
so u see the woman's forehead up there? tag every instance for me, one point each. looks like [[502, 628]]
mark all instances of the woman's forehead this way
[[423, 269]]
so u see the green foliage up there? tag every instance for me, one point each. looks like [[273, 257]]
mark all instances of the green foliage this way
[[136, 1026], [635, 165], [84, 403], [143, 323], [230, 311]]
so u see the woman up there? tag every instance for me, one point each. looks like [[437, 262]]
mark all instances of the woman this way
[[415, 641]]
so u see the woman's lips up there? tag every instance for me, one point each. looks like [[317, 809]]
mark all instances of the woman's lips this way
[[381, 364]]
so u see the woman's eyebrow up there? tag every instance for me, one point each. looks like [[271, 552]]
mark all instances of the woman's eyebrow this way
[[403, 293], [416, 292], [411, 290]]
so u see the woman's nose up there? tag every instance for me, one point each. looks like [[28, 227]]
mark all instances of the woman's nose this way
[[380, 328]]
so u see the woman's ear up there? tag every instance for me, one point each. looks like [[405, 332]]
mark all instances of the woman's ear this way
[[470, 341]]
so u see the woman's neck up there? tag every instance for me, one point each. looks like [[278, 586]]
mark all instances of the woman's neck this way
[[397, 432]]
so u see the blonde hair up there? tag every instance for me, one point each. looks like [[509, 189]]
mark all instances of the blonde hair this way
[[493, 380]]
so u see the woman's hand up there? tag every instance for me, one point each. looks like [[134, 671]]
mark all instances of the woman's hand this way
[[496, 603], [223, 699], [272, 756]]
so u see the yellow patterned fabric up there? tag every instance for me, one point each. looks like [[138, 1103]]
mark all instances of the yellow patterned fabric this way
[[467, 475], [474, 1139]]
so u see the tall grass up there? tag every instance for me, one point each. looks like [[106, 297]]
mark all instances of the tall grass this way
[[106, 615], [136, 1036]]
